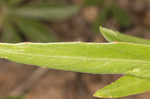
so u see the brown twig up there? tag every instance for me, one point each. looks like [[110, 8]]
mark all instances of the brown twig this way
[[24, 87]]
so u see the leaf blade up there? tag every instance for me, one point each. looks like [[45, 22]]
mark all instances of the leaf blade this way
[[121, 16], [10, 34], [113, 36], [69, 57], [125, 86], [47, 12], [35, 31]]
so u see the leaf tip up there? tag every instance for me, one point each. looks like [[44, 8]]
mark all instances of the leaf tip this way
[[104, 32], [101, 94], [96, 94], [101, 29], [108, 34]]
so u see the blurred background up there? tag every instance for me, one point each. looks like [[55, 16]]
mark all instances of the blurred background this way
[[64, 21]]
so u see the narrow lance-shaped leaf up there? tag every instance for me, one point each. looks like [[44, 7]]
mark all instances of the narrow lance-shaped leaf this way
[[35, 31], [127, 85], [14, 2], [121, 16], [47, 12], [9, 34], [15, 97], [93, 2], [113, 36], [83, 57]]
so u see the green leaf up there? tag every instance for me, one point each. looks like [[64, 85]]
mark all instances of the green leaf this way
[[114, 58], [121, 16], [35, 31], [125, 86], [120, 58], [47, 12], [114, 36], [93, 2], [15, 97], [14, 2], [3, 2], [103, 16], [9, 34]]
